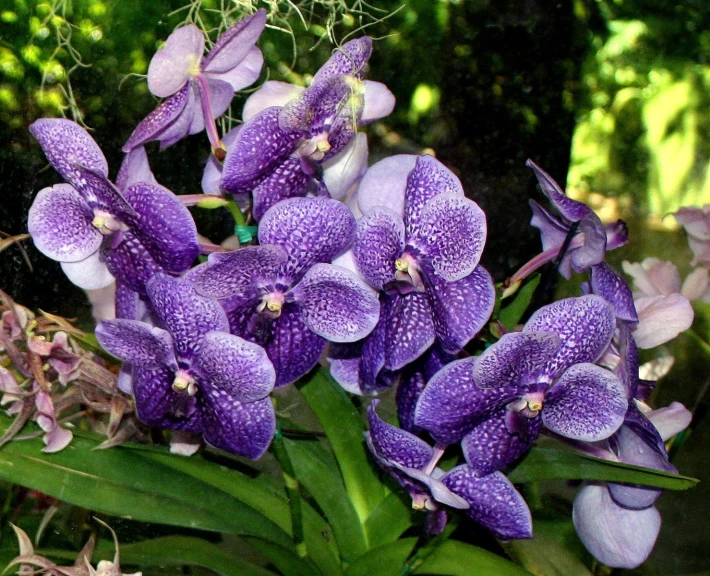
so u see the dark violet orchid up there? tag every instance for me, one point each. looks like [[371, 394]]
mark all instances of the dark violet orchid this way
[[193, 375], [97, 231], [496, 403], [197, 89], [491, 500], [419, 244], [618, 523], [577, 233], [280, 151], [285, 294]]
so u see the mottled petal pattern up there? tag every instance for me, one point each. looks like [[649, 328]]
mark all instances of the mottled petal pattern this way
[[160, 119], [613, 288], [350, 58], [587, 403], [493, 502], [287, 180], [138, 343], [159, 405], [379, 242], [60, 224], [336, 304], [570, 209], [410, 330], [234, 44]]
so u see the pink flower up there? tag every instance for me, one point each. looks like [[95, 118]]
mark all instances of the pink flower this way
[[696, 222]]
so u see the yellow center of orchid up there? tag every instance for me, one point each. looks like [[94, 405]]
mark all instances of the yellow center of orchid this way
[[323, 146], [274, 306], [401, 264], [194, 69], [535, 405], [98, 222]]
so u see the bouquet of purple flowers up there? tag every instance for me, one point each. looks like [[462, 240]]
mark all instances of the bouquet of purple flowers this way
[[342, 282]]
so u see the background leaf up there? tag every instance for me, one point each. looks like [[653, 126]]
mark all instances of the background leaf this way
[[511, 314]]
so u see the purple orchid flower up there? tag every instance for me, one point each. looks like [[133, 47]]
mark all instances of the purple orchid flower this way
[[280, 151], [491, 500], [618, 523], [193, 375], [578, 231], [97, 231], [197, 89], [419, 244], [285, 294], [496, 403]]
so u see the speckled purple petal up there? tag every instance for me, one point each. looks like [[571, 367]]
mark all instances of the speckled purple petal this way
[[379, 102], [239, 271], [179, 128], [159, 405], [129, 304], [240, 368], [336, 304], [379, 242], [130, 261], [68, 146], [490, 446], [452, 405], [234, 44], [185, 314], [316, 107], [516, 361], [384, 184], [396, 445], [409, 390], [311, 230], [594, 248], [349, 59], [344, 365], [160, 119], [134, 168], [171, 66], [613, 288], [164, 226], [451, 233], [60, 224], [287, 180], [494, 502], [90, 273], [260, 146], [410, 330], [460, 309], [587, 403], [244, 74], [585, 326], [552, 231], [571, 209], [243, 429], [374, 350], [428, 179], [293, 349], [101, 193], [136, 342], [614, 535]]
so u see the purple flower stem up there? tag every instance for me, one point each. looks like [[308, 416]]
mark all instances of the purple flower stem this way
[[543, 258], [211, 248], [436, 455], [210, 125]]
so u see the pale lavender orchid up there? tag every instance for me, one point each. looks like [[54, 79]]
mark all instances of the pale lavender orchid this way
[[97, 231], [285, 294], [490, 500], [192, 374], [496, 403], [696, 222], [419, 244], [280, 150], [197, 89]]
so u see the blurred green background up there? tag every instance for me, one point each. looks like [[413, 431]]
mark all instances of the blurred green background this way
[[608, 95]]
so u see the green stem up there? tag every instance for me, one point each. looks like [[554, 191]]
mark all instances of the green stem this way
[[293, 492], [236, 212]]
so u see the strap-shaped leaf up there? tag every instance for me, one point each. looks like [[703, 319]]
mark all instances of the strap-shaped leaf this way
[[550, 463], [390, 519], [454, 558], [384, 560], [345, 428], [511, 314], [326, 487]]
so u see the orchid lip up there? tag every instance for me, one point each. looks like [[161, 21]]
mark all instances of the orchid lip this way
[[107, 223], [271, 304], [184, 382]]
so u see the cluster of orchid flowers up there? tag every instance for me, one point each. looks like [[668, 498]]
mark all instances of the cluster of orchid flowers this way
[[377, 269]]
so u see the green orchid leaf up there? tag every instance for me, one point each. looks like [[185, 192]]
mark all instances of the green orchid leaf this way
[[544, 556], [319, 475], [345, 427], [454, 558], [390, 519], [387, 560], [511, 314], [550, 463]]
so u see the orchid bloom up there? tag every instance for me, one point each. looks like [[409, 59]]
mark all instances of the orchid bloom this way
[[198, 90], [194, 375], [285, 294], [496, 403], [289, 135], [97, 231], [490, 500], [696, 222]]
